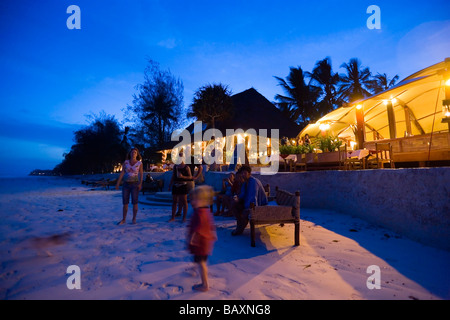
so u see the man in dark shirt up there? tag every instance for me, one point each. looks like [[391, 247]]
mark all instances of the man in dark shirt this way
[[252, 191]]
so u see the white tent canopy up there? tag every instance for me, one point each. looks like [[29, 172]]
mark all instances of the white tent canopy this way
[[417, 104]]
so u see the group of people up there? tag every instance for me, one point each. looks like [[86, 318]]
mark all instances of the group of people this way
[[305, 140], [238, 192]]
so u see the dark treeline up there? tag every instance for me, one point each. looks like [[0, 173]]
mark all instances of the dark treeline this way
[[308, 96], [157, 110], [98, 148]]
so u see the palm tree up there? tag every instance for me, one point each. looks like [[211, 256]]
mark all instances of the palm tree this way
[[381, 82], [300, 99], [212, 103], [324, 78], [356, 83]]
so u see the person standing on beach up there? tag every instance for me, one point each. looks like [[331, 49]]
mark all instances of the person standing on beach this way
[[132, 175], [195, 174], [180, 175], [201, 233]]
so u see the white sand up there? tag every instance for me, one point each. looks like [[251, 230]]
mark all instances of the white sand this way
[[149, 261]]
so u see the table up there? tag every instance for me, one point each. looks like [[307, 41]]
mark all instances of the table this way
[[360, 153], [356, 158]]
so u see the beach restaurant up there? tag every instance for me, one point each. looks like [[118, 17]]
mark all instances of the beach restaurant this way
[[253, 115], [413, 118]]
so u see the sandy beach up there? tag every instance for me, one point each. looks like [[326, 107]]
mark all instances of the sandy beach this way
[[149, 260]]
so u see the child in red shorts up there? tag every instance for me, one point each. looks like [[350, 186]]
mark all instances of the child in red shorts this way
[[201, 231]]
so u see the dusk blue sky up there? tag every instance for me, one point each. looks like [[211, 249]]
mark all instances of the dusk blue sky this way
[[52, 77]]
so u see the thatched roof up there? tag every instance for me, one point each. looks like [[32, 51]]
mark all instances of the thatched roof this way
[[252, 111]]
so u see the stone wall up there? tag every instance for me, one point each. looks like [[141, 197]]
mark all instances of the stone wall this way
[[412, 202]]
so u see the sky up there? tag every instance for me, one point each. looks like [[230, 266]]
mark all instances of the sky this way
[[53, 77]]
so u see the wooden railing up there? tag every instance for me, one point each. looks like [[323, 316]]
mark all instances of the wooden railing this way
[[427, 147]]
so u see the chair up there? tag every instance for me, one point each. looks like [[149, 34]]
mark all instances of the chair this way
[[287, 210], [299, 164], [384, 155], [342, 156], [353, 163]]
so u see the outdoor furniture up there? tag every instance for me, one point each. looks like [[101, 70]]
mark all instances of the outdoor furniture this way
[[109, 183], [287, 160], [286, 210], [384, 155], [342, 156], [104, 183], [298, 163], [422, 149], [153, 186], [355, 159]]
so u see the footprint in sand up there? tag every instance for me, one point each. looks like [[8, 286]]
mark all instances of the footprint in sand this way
[[191, 272], [170, 290], [145, 285]]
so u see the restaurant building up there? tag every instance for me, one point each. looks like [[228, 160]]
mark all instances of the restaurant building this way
[[413, 117]]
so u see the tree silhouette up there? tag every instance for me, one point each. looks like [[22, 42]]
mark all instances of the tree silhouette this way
[[324, 78], [157, 107], [97, 148], [356, 83], [307, 101], [299, 101], [212, 103], [381, 82]]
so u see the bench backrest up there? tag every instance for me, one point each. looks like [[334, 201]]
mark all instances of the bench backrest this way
[[285, 198]]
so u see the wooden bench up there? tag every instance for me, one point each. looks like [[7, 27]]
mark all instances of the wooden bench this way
[[286, 210]]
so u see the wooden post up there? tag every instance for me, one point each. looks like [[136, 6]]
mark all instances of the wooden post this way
[[407, 121], [252, 226], [297, 223], [391, 120], [446, 102], [359, 127]]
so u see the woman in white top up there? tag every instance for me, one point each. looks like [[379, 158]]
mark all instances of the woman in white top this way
[[132, 175]]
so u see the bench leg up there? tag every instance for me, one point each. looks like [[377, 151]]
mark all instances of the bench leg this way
[[297, 233], [252, 233]]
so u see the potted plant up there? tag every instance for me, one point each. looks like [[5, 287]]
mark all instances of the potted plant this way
[[328, 145], [286, 150]]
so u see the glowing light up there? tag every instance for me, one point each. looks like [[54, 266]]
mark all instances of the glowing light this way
[[447, 83], [359, 106], [324, 126], [445, 112]]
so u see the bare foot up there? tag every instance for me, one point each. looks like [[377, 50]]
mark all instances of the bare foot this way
[[200, 287], [134, 221], [172, 219], [121, 222]]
